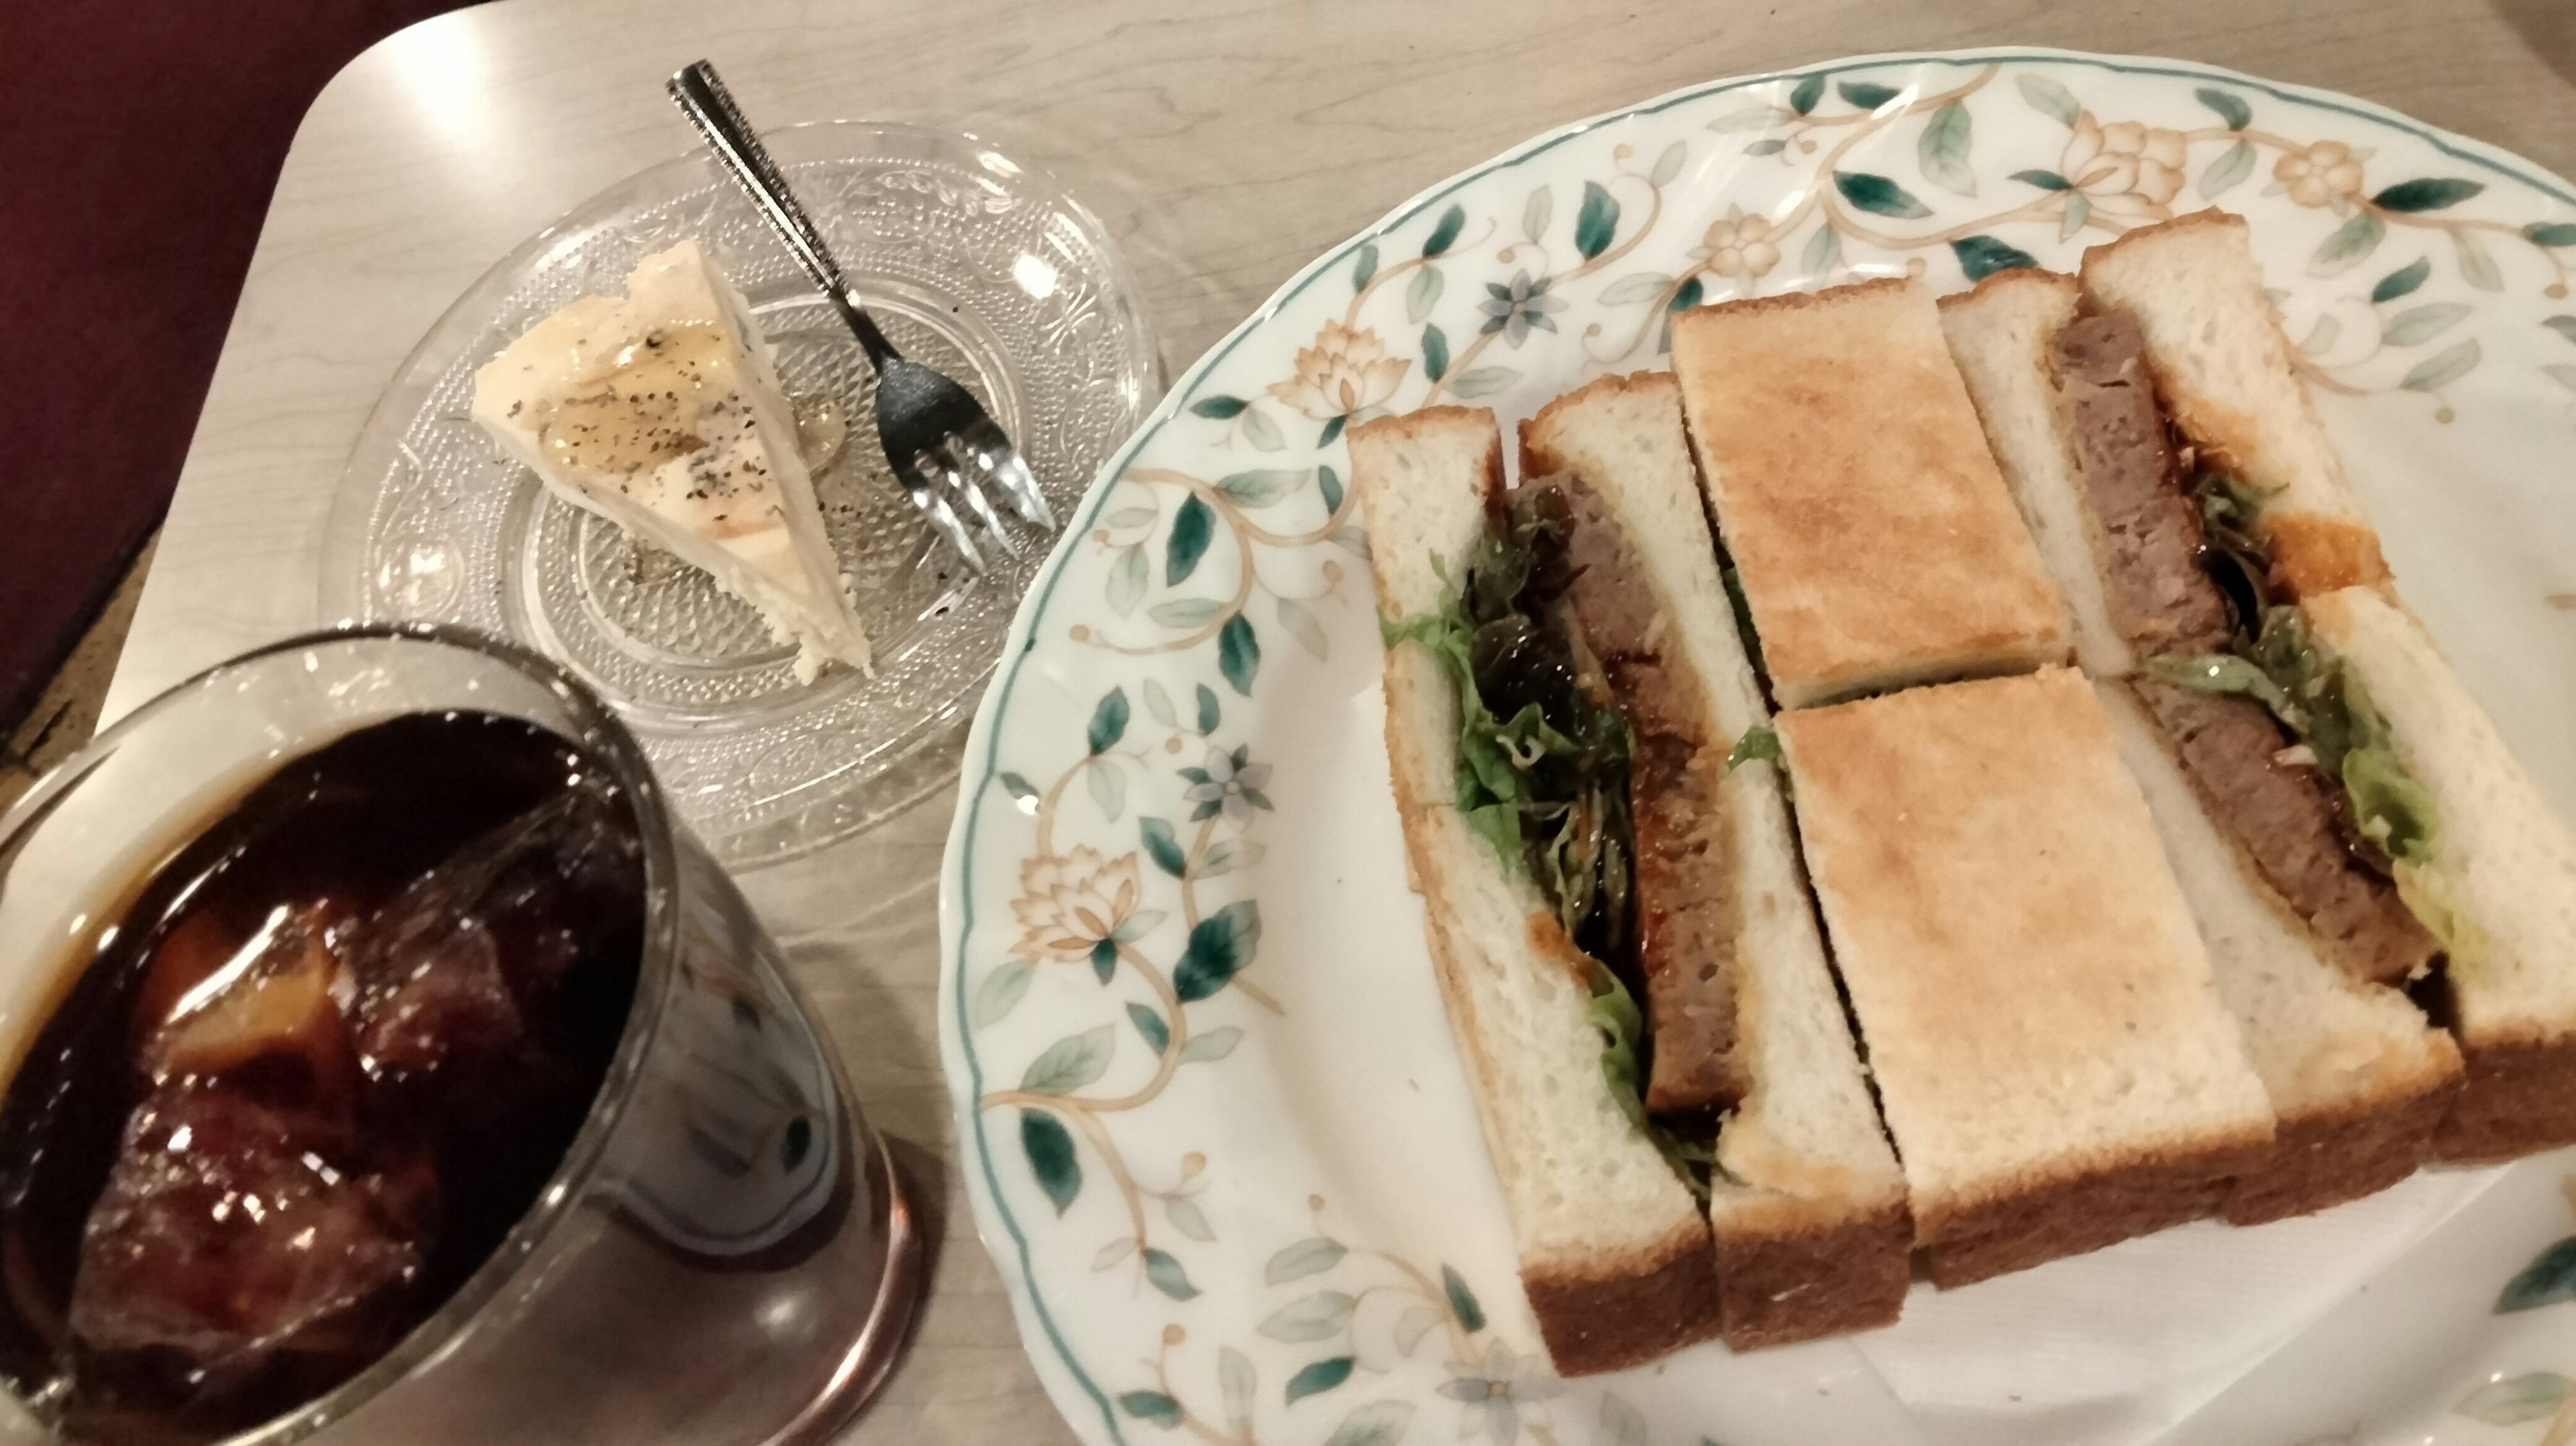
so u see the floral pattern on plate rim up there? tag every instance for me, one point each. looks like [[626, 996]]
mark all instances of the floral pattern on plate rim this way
[[1442, 305]]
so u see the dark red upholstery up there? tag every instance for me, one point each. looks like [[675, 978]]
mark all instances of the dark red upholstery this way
[[141, 139]]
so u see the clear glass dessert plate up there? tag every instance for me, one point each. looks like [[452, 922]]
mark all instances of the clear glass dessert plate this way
[[973, 264]]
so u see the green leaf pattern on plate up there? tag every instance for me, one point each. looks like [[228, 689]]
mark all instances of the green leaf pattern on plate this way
[[1943, 150], [2532, 1396], [1158, 1035], [2230, 169], [1983, 256], [1880, 195], [2404, 281]]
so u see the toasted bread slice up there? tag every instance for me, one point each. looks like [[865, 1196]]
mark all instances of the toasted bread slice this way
[[2051, 1051], [2357, 1076], [2001, 333], [1615, 1254], [1872, 534], [2499, 887], [1809, 1207], [2222, 371]]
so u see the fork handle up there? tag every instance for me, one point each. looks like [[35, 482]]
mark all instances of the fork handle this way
[[702, 97]]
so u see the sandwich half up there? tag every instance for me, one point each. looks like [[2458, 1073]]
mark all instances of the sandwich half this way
[[1806, 1202], [2479, 851], [2155, 539], [1874, 542], [2172, 592], [2051, 1052], [1513, 865]]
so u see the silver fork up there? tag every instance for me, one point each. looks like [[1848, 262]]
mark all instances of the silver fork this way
[[937, 437]]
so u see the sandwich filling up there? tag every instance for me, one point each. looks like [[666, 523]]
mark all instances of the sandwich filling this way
[[1576, 763], [1686, 913], [2279, 741]]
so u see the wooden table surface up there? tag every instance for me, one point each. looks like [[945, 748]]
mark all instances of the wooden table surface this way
[[1225, 143]]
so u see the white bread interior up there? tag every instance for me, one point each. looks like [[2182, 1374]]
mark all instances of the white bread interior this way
[[2029, 981], [1807, 1129], [2002, 334], [2500, 887], [1590, 1198], [2222, 370], [1624, 436], [2323, 1041], [1874, 538]]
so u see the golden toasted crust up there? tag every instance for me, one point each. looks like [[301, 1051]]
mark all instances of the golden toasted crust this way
[[2356, 1148], [2208, 218], [2077, 1214], [1537, 452], [2519, 1098], [1626, 1311], [1872, 532], [1793, 1270], [2017, 279], [1424, 421]]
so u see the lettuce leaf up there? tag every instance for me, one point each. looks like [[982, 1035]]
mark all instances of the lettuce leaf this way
[[1762, 743], [1542, 772], [1614, 1012], [2321, 700]]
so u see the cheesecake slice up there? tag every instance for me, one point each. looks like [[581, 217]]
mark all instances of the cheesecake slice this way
[[662, 412]]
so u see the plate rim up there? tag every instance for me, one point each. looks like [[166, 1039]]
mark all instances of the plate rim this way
[[960, 1068]]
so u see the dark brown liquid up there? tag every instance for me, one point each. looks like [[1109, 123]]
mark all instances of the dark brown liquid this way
[[323, 1064]]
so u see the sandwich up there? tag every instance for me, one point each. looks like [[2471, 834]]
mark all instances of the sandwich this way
[[1507, 779], [2356, 1075], [2039, 1011], [1806, 1203], [1752, 804], [2489, 864], [2192, 509], [1871, 535], [662, 412]]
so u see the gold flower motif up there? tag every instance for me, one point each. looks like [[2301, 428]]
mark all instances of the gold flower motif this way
[[2125, 170], [2326, 173], [1069, 903], [1740, 245], [1346, 370]]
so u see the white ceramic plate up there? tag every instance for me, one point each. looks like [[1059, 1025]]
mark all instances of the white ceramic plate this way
[[1215, 1130]]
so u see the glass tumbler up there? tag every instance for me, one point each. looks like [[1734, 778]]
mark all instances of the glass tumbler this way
[[724, 1256]]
